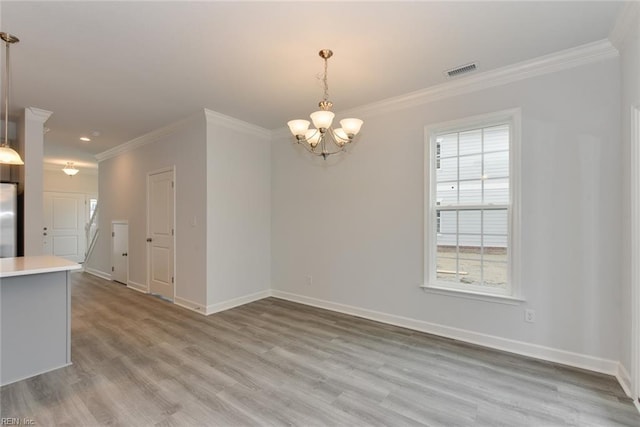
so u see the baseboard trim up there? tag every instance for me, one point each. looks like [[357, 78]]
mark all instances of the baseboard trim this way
[[563, 357], [98, 273], [624, 379], [190, 305], [235, 302], [137, 286]]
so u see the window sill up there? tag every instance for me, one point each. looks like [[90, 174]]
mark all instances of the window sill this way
[[459, 293]]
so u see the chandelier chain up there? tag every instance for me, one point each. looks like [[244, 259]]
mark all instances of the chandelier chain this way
[[325, 82]]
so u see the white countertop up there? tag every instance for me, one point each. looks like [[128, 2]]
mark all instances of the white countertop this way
[[22, 266]]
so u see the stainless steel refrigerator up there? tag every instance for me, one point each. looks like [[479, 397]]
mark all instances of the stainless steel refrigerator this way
[[8, 219]]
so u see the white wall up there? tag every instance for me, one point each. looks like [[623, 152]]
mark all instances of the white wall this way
[[356, 225], [85, 181], [238, 209], [630, 78], [31, 134], [123, 192]]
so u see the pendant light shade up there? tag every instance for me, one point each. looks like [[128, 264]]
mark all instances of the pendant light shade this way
[[8, 156], [69, 169]]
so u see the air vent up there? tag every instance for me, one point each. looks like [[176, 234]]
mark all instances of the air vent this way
[[455, 72]]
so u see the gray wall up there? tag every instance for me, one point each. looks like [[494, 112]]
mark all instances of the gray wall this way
[[223, 206], [356, 225], [630, 77], [238, 209], [123, 196]]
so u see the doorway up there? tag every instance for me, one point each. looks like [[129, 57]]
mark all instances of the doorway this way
[[120, 251], [160, 233]]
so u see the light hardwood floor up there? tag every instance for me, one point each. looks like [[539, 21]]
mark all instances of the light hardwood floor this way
[[138, 360]]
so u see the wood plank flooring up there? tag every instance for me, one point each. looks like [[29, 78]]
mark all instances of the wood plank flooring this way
[[138, 360]]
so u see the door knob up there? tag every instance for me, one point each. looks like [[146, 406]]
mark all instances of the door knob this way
[[124, 254], [45, 228], [149, 239], [44, 234]]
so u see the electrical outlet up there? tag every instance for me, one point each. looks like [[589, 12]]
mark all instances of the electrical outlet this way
[[309, 280], [529, 315]]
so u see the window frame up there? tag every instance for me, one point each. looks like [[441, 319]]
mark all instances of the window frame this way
[[513, 289]]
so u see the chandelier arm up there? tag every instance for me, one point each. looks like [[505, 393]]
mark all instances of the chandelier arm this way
[[338, 143], [320, 153]]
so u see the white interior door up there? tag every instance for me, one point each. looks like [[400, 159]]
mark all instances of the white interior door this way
[[120, 251], [63, 230], [160, 233]]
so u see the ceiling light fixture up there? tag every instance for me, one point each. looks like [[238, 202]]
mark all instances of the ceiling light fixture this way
[[85, 139], [69, 169], [8, 156], [324, 140]]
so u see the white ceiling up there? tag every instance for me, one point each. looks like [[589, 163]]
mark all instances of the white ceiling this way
[[126, 68]]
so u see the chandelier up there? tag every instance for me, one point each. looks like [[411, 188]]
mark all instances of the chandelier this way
[[69, 169], [8, 156], [324, 140]]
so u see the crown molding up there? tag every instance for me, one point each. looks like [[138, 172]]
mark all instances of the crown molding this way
[[39, 114], [558, 61], [629, 14], [216, 118], [57, 167], [210, 116], [147, 138]]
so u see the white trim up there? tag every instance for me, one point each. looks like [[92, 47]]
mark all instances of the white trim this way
[[624, 379], [235, 302], [50, 166], [564, 357], [216, 118], [627, 16], [514, 118], [210, 116], [635, 249], [190, 305], [39, 113], [175, 231], [97, 273], [147, 138], [558, 61], [462, 293], [137, 286]]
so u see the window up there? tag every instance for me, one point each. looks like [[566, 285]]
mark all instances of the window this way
[[93, 204], [470, 204]]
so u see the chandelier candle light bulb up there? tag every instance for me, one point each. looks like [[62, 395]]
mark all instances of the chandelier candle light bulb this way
[[324, 140]]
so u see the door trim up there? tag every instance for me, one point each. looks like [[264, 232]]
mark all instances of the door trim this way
[[171, 169], [635, 252], [123, 222]]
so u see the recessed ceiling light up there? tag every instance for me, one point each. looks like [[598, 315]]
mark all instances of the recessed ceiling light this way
[[95, 133], [85, 139]]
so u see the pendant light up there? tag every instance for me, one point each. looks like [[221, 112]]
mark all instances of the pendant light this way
[[8, 155], [70, 169]]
